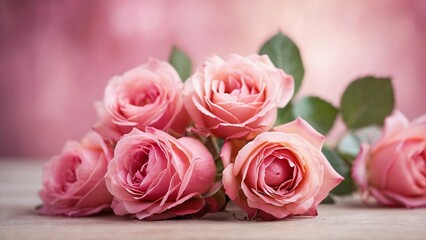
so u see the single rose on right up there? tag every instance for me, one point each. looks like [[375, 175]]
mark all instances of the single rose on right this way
[[279, 174], [393, 169]]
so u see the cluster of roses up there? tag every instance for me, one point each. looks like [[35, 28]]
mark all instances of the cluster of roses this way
[[155, 152]]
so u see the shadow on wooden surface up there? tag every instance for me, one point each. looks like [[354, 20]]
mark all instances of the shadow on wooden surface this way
[[347, 219]]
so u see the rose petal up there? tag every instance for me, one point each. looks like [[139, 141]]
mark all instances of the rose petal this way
[[393, 125], [303, 129]]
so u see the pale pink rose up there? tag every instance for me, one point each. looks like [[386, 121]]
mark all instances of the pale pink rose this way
[[155, 176], [73, 181], [148, 95], [280, 174], [237, 97], [393, 169]]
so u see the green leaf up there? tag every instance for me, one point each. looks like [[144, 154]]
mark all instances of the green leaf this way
[[219, 166], [336, 161], [367, 101], [349, 146], [285, 115], [284, 53], [368, 134], [328, 200], [181, 62], [219, 169], [317, 112], [347, 186]]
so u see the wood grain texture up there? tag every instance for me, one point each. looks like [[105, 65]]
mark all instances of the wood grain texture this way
[[348, 219]]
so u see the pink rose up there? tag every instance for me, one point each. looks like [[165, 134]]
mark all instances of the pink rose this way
[[280, 174], [393, 169], [237, 97], [155, 176], [73, 182], [148, 95]]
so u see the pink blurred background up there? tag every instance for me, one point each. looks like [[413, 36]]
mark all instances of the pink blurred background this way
[[57, 56]]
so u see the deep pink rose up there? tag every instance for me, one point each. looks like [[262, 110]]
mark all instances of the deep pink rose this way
[[237, 97], [280, 174], [148, 95], [393, 169], [73, 181], [155, 176]]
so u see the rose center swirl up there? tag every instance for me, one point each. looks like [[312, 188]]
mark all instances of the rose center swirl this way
[[237, 86], [139, 166], [278, 171], [144, 97], [70, 174]]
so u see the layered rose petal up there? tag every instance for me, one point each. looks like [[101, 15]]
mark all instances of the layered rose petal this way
[[279, 174], [73, 181], [359, 169], [303, 129], [148, 95], [237, 97], [393, 170], [155, 176], [392, 127]]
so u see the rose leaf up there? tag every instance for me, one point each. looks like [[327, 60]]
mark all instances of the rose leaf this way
[[285, 54], [349, 147], [317, 112], [181, 62], [285, 114], [367, 101], [347, 186], [328, 200]]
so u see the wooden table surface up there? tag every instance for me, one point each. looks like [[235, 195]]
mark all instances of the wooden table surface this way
[[348, 219]]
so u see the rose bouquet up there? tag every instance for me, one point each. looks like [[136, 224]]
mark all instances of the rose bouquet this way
[[170, 143]]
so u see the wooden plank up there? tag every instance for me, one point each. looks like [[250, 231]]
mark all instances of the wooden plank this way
[[348, 219]]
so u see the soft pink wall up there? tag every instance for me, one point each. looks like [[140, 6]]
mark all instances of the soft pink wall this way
[[56, 56]]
